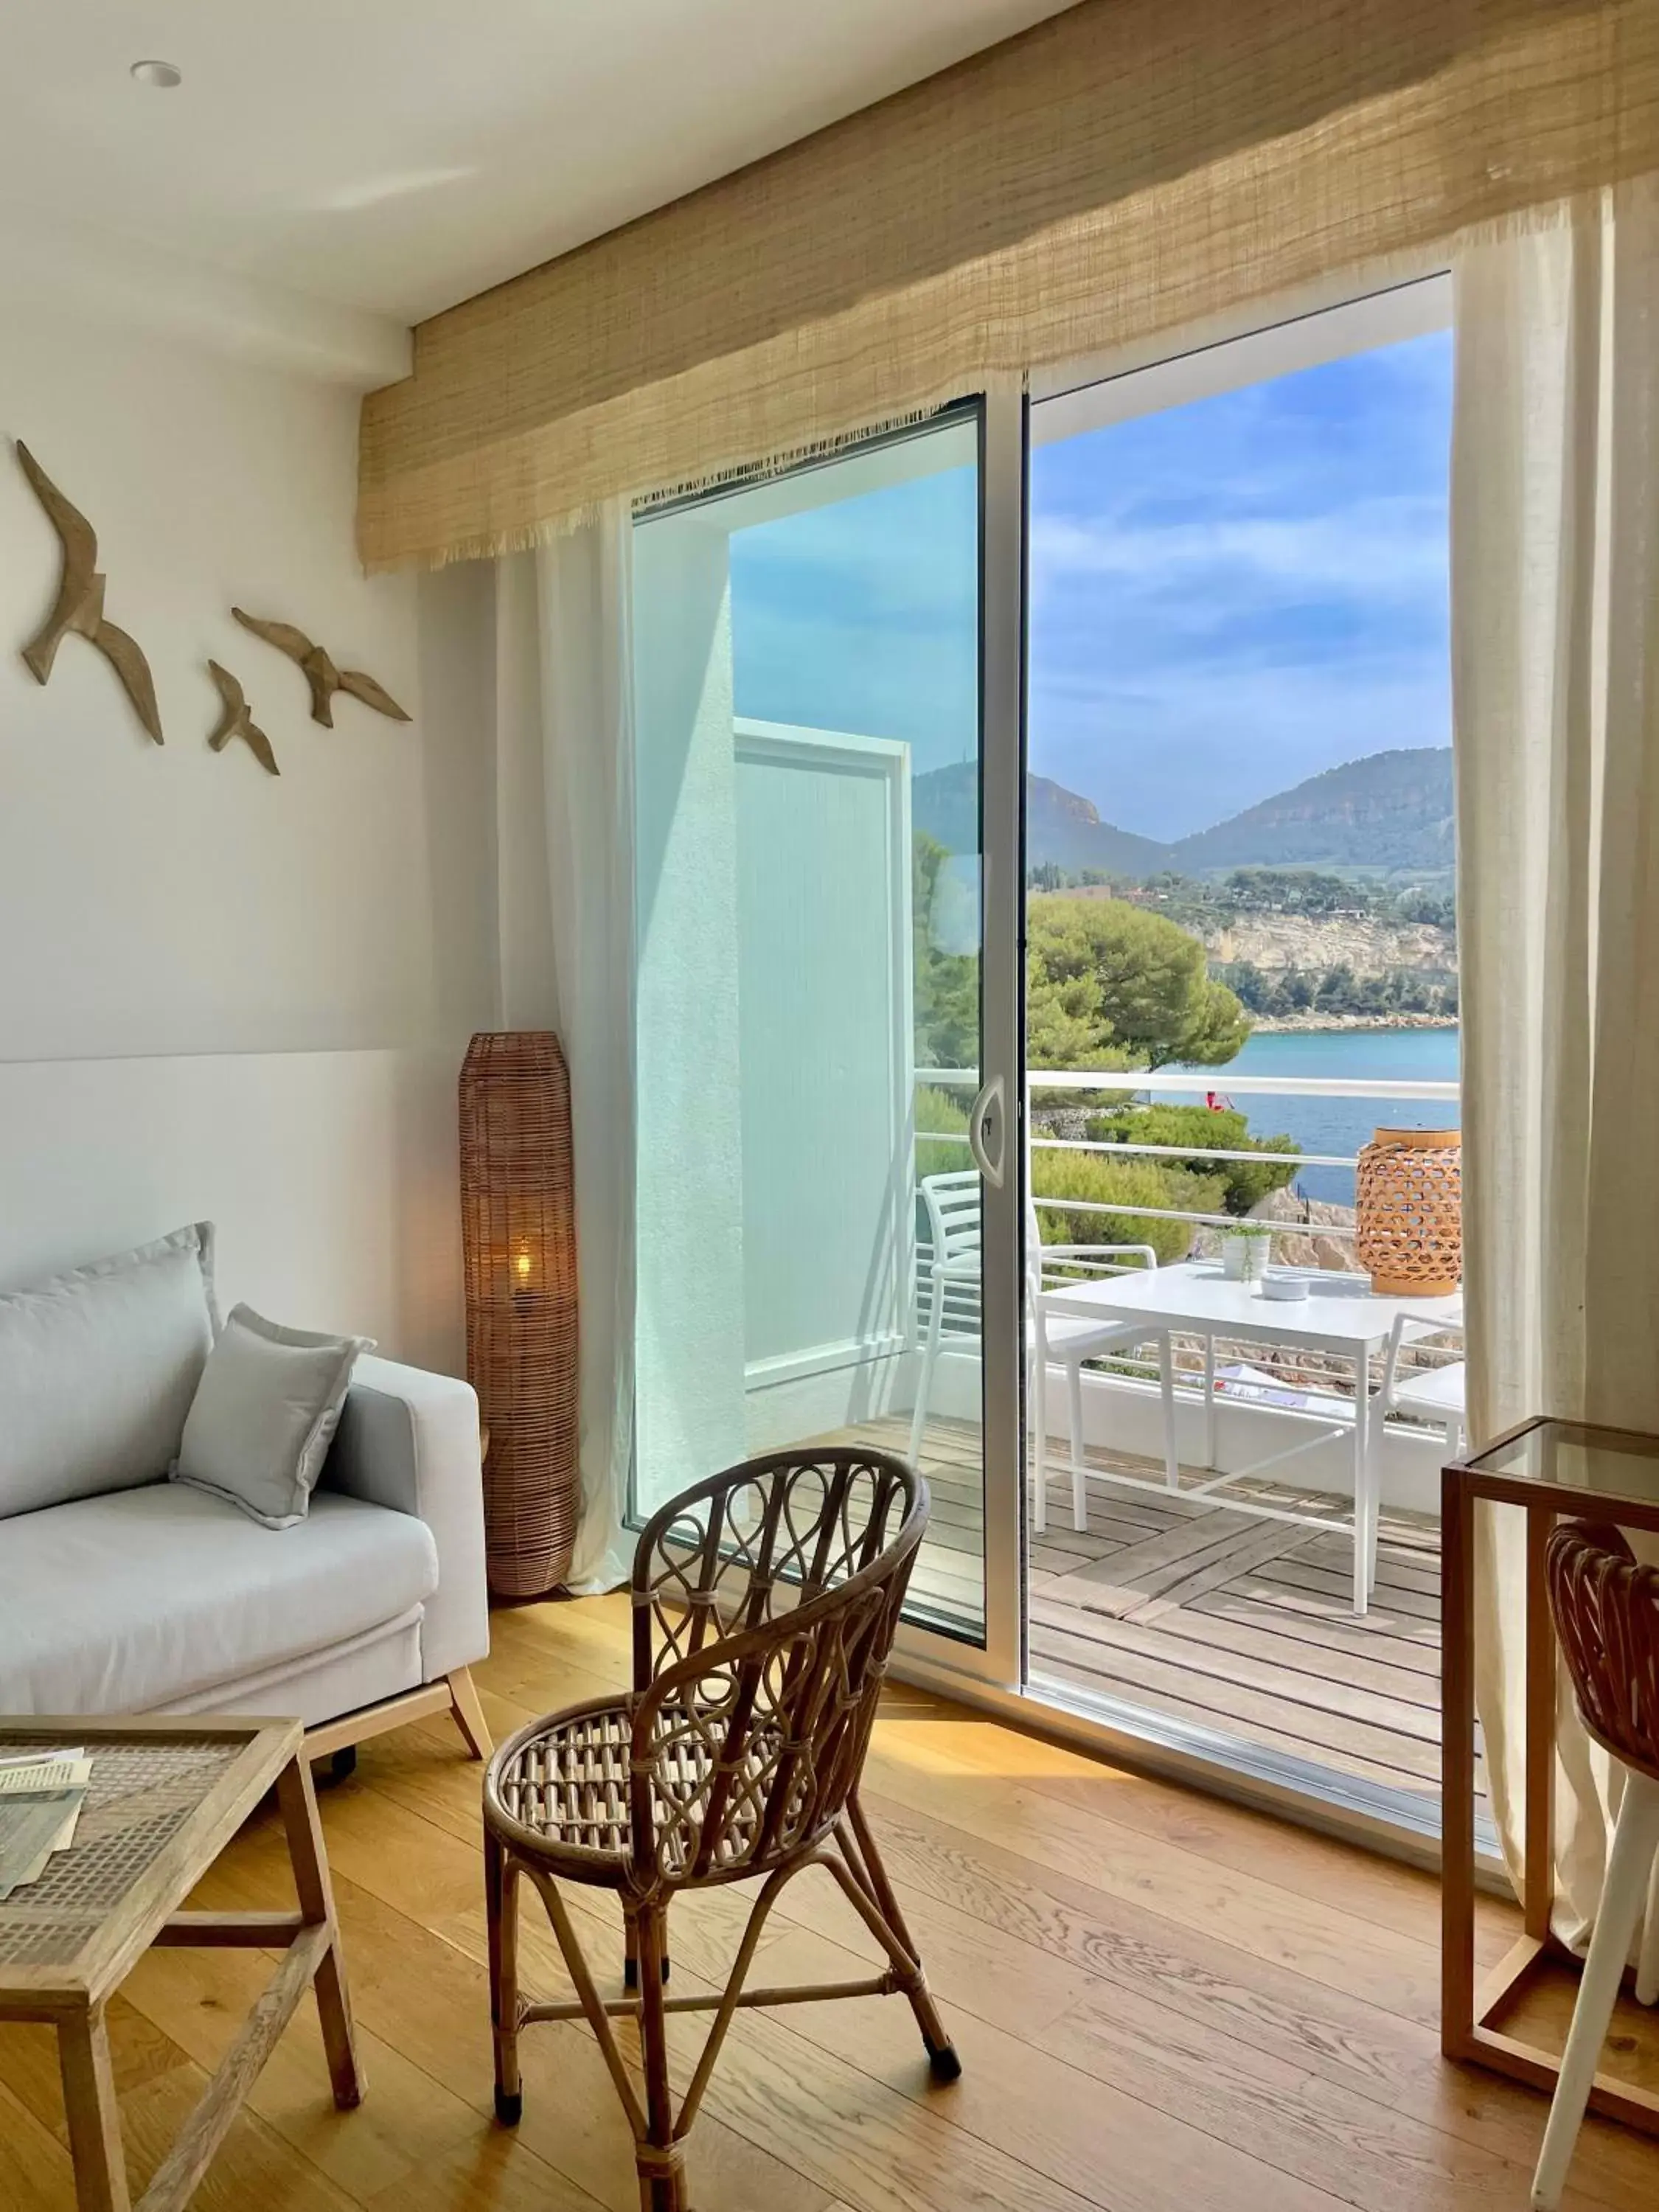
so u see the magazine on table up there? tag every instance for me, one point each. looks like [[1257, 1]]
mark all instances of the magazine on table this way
[[41, 1793]]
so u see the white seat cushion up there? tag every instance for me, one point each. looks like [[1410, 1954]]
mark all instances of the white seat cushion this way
[[143, 1598], [1439, 1392], [1065, 1336], [1070, 1332]]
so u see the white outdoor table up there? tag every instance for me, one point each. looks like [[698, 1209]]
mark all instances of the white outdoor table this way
[[1341, 1315]]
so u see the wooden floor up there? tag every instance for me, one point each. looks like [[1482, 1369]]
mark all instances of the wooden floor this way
[[1163, 2004], [1242, 1627]]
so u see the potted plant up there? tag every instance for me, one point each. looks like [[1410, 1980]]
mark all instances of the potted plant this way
[[1245, 1249]]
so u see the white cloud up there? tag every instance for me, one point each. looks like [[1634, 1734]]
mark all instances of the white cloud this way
[[1391, 545]]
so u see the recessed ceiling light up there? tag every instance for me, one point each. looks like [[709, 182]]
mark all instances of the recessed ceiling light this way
[[162, 77]]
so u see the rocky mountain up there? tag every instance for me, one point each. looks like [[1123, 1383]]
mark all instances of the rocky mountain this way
[[1061, 828], [1275, 942], [1391, 810]]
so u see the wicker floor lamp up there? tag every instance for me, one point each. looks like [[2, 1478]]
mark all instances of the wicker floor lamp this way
[[519, 1239]]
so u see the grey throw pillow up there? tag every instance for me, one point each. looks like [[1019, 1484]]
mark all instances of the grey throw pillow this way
[[98, 1369], [263, 1415]]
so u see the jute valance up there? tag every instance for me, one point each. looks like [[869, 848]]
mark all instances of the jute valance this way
[[1127, 167]]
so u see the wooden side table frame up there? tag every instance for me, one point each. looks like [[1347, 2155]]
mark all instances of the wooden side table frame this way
[[1473, 2011], [166, 1796]]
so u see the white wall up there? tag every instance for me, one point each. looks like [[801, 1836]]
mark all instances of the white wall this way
[[223, 993], [825, 1021]]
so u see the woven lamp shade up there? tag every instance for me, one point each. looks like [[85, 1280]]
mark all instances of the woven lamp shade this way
[[519, 1244], [1409, 1213]]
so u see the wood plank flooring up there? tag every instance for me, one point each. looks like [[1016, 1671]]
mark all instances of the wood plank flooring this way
[[1242, 1627], [1163, 2003]]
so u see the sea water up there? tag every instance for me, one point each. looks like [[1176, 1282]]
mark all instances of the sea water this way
[[1340, 1125]]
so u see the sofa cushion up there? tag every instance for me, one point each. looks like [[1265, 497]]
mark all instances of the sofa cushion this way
[[98, 1369], [265, 1414], [145, 1597]]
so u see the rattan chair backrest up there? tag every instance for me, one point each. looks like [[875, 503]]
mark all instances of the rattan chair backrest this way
[[1606, 1618], [765, 1604]]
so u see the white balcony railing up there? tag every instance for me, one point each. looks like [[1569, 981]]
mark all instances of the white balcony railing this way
[[1177, 1084]]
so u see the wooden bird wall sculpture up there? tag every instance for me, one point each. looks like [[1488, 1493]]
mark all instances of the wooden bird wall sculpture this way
[[323, 677], [237, 722], [80, 606]]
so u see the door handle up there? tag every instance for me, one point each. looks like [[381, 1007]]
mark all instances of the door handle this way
[[985, 1114]]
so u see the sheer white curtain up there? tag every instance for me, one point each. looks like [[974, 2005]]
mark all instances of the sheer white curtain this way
[[564, 749], [1555, 602]]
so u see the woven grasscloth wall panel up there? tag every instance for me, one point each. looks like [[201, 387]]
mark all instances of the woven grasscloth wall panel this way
[[1127, 167]]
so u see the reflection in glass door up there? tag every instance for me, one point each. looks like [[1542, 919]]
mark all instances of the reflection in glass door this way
[[811, 1222]]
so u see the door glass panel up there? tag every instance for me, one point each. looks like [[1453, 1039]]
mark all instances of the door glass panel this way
[[807, 1001], [1242, 959]]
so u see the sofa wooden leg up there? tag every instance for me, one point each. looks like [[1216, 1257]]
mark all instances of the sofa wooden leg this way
[[469, 1713]]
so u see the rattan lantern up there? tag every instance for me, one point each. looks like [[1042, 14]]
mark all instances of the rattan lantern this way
[[519, 1244], [1409, 1213]]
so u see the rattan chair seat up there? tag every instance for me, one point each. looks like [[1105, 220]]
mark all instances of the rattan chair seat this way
[[559, 1790]]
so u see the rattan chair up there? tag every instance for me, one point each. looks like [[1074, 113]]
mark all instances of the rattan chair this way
[[1606, 1620], [765, 1602]]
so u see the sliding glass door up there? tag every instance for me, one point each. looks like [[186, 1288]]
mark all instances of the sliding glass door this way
[[827, 1200], [927, 1031]]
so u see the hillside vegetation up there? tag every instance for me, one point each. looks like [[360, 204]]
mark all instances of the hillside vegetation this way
[[1389, 811], [1390, 814], [1331, 903]]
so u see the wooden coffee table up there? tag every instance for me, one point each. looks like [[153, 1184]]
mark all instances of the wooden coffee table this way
[[166, 1797]]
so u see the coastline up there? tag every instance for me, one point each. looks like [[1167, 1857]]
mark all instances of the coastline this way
[[1284, 1025]]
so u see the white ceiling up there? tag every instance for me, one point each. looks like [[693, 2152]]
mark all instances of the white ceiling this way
[[397, 155]]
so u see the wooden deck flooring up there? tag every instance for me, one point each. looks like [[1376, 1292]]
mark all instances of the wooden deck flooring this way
[[1163, 2003], [1239, 1626]]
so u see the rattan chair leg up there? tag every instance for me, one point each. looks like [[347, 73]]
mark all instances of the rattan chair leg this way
[[630, 1956], [875, 1871], [847, 1844], [575, 1960], [659, 2151], [502, 1910], [867, 1880], [759, 1913]]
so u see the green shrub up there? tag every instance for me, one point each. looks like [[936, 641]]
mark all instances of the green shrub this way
[[1221, 1187], [1121, 1183], [1244, 1183], [943, 1113]]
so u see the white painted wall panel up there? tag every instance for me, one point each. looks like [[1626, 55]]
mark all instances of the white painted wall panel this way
[[823, 903], [223, 995], [331, 1178]]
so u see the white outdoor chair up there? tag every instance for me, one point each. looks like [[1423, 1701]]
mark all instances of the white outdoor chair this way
[[1427, 1393], [953, 1201]]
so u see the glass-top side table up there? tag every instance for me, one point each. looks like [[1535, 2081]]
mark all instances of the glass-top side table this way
[[1552, 1470]]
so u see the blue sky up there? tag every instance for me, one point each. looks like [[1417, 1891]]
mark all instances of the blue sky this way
[[1226, 596], [863, 614]]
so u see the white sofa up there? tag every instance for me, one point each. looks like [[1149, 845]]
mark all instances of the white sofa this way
[[121, 1591]]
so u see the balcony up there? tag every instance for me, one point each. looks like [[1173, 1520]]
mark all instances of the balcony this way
[[1229, 1614]]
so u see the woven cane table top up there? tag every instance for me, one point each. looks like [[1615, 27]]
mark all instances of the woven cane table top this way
[[163, 1799]]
